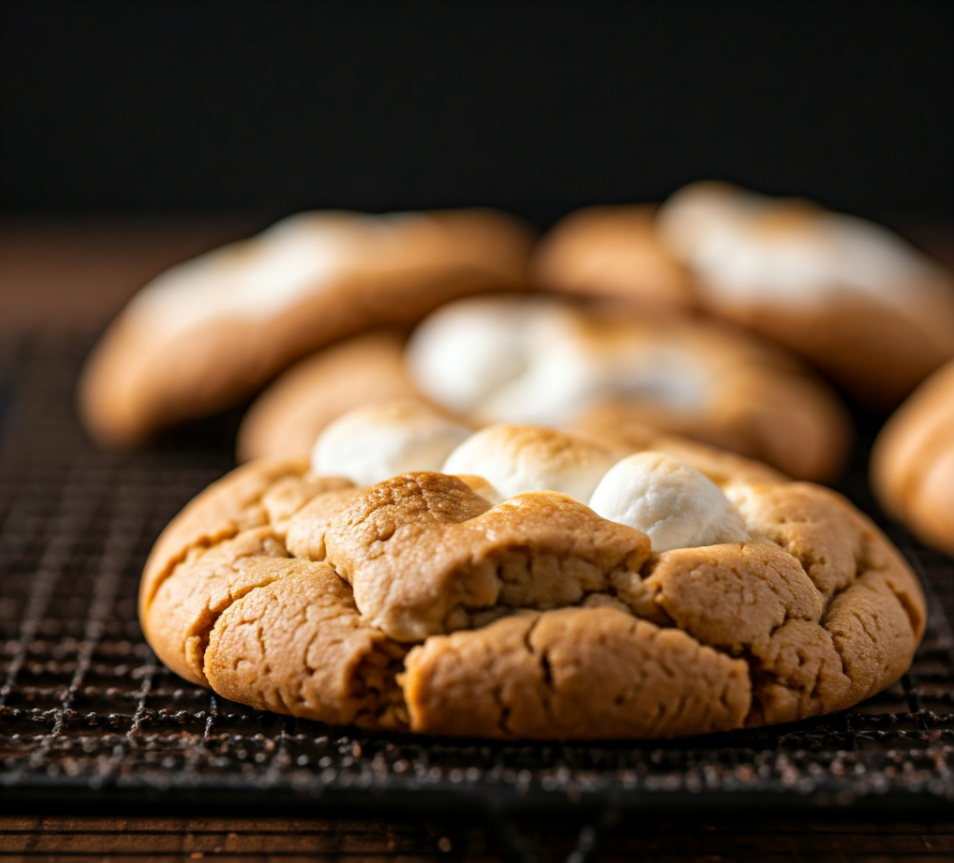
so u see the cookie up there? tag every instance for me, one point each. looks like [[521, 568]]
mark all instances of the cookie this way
[[616, 252], [526, 583], [288, 415], [506, 359], [212, 331], [912, 463], [854, 299]]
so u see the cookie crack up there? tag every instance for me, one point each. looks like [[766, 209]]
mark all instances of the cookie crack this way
[[201, 632], [542, 658], [201, 545], [207, 542]]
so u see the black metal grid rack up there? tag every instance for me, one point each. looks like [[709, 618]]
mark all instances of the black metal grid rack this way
[[86, 710]]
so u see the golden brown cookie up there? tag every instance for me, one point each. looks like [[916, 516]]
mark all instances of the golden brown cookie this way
[[287, 417], [853, 298], [506, 359], [612, 252], [671, 596], [912, 464], [212, 331]]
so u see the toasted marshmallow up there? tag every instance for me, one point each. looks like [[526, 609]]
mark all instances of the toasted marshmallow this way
[[376, 442], [671, 502], [517, 459], [752, 248]]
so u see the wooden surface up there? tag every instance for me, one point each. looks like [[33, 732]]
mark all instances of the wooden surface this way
[[61, 275]]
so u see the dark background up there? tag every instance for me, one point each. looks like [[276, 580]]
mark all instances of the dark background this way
[[267, 107]]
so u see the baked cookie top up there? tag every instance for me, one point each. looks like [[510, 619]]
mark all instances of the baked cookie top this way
[[209, 332], [522, 582]]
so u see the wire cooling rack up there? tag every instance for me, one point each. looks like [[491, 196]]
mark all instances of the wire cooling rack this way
[[87, 713]]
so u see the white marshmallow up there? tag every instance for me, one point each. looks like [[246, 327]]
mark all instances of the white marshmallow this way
[[267, 274], [250, 279], [671, 502], [482, 487], [517, 459], [735, 240], [530, 361], [376, 442], [466, 350]]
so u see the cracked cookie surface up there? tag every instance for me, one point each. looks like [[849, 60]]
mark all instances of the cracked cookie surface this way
[[420, 603]]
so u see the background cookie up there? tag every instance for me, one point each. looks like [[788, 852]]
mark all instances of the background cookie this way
[[286, 418], [912, 463], [853, 298], [511, 359], [678, 602], [612, 252], [211, 331]]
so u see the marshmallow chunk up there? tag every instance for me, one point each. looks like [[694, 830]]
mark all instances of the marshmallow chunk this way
[[750, 247], [376, 442], [517, 459], [465, 351], [671, 502], [252, 278], [540, 362]]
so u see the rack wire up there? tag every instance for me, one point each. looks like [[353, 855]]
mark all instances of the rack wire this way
[[87, 712]]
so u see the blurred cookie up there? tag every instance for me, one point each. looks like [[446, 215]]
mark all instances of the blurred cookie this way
[[912, 464], [286, 418], [542, 362], [210, 332], [612, 252], [527, 583], [507, 359], [853, 298]]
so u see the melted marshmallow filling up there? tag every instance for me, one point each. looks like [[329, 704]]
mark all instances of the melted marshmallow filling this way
[[749, 247], [267, 274], [521, 362]]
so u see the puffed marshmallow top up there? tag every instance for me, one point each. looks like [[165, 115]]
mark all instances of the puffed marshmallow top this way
[[376, 442], [671, 502], [517, 459]]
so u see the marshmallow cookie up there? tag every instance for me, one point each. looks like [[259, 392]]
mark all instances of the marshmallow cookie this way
[[912, 464], [506, 359], [853, 298], [287, 417], [522, 582], [208, 333], [546, 363], [613, 252]]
